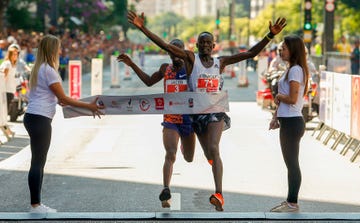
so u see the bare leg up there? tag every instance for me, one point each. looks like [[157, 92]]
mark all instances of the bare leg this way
[[170, 141], [210, 143], [188, 143]]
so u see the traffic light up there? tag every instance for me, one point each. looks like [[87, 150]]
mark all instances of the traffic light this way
[[217, 21], [307, 15], [307, 26]]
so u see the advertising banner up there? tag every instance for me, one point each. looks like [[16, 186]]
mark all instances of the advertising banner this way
[[96, 76], [329, 98], [75, 76], [322, 98], [342, 103], [114, 72], [355, 108], [174, 103]]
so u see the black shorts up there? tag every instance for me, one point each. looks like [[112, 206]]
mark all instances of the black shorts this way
[[201, 121]]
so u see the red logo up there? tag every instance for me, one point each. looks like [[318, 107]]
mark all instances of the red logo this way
[[159, 103], [144, 104]]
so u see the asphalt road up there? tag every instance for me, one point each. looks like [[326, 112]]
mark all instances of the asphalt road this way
[[111, 169]]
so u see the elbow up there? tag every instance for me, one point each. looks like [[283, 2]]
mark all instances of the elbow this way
[[62, 101]]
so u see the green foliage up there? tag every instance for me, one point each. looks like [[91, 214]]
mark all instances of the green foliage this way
[[354, 4], [18, 15], [346, 21]]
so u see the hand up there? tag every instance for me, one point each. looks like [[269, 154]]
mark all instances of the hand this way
[[95, 107], [276, 99], [136, 20], [124, 58], [274, 124], [278, 26]]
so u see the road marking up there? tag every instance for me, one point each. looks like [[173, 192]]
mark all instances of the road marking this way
[[175, 202]]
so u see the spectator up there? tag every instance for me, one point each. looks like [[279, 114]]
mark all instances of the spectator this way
[[355, 58], [343, 46]]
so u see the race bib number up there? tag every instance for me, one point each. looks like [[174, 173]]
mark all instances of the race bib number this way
[[173, 86], [207, 83]]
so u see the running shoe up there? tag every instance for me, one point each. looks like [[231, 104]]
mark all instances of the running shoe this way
[[218, 201], [42, 209], [164, 197], [210, 162], [285, 207]]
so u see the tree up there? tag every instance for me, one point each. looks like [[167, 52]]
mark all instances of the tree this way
[[166, 24], [119, 15], [3, 6], [352, 4]]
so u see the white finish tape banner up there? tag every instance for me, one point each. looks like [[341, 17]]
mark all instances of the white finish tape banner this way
[[174, 103]]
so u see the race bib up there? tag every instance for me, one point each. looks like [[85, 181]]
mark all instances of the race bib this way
[[173, 86], [208, 83]]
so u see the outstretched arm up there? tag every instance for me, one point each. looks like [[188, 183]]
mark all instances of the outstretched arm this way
[[148, 80], [255, 50], [138, 22]]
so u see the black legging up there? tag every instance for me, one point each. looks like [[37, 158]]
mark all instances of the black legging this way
[[291, 131], [9, 98], [39, 130]]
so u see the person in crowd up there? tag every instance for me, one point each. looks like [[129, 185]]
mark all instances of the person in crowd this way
[[64, 62], [355, 58], [205, 76], [293, 85], [8, 68], [277, 64], [318, 47], [343, 46], [273, 53], [45, 92], [175, 126], [12, 67], [2, 47]]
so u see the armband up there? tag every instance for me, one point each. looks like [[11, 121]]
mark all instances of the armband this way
[[270, 35], [268, 38]]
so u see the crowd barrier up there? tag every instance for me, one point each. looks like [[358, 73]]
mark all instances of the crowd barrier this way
[[339, 112]]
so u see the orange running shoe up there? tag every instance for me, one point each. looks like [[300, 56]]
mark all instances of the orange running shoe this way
[[210, 162], [218, 201]]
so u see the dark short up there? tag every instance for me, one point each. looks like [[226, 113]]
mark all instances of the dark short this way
[[201, 121], [182, 129]]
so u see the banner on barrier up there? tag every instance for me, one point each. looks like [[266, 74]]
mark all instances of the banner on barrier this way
[[174, 103], [96, 76], [355, 108], [75, 76], [326, 97], [341, 115]]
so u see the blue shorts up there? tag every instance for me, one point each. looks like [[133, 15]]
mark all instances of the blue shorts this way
[[182, 129]]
